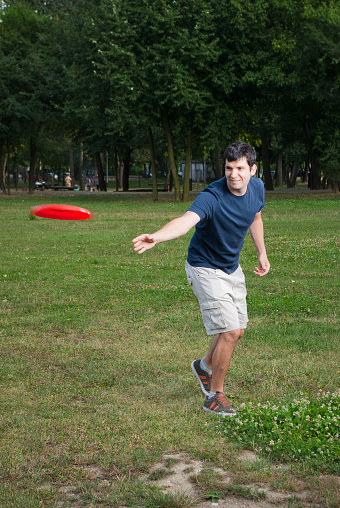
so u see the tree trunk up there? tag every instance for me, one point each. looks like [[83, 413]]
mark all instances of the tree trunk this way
[[186, 181], [285, 170], [217, 164], [100, 171], [258, 172], [121, 171], [33, 160], [167, 180], [293, 175], [153, 166], [279, 171], [8, 171], [3, 175], [314, 181], [59, 173], [116, 167], [107, 168], [305, 176], [171, 156], [8, 181], [268, 182], [335, 186], [15, 170], [81, 159], [72, 166], [2, 169], [126, 172]]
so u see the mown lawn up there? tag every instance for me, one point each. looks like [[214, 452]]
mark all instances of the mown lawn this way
[[97, 341]]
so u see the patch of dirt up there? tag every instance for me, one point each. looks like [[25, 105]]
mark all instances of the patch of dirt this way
[[178, 474], [178, 477], [177, 480]]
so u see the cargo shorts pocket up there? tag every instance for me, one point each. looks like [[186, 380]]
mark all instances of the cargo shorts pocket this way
[[212, 316]]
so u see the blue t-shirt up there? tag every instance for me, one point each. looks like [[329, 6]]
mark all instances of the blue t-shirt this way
[[225, 220]]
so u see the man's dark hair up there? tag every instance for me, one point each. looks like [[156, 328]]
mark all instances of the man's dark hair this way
[[239, 149]]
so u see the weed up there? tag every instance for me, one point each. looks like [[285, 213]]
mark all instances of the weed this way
[[300, 430], [247, 492], [209, 480], [158, 474], [236, 490], [170, 461], [169, 500]]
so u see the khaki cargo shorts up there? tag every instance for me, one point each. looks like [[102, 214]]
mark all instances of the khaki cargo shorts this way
[[222, 297]]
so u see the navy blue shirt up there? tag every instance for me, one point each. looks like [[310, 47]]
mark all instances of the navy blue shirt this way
[[225, 220]]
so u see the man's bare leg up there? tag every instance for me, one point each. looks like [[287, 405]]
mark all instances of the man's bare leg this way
[[219, 356]]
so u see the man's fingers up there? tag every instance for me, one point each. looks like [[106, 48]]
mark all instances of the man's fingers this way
[[261, 271], [140, 250], [139, 245], [138, 238], [143, 238]]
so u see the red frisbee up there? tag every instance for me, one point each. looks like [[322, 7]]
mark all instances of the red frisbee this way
[[62, 212]]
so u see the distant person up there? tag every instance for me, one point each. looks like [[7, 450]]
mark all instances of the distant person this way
[[68, 180], [222, 213]]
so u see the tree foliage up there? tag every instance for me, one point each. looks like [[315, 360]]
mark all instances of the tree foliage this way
[[105, 74]]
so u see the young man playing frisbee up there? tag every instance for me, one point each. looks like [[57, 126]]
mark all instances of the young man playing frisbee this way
[[222, 213]]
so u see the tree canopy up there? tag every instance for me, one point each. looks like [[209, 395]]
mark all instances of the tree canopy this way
[[193, 74]]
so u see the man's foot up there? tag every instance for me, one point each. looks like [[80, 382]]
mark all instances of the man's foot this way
[[203, 377], [219, 405]]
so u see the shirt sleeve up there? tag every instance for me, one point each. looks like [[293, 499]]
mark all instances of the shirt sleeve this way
[[204, 205], [262, 202]]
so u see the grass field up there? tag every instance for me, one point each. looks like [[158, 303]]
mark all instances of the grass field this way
[[97, 341]]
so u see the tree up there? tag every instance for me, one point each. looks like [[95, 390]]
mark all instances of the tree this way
[[30, 70], [156, 56], [318, 60], [303, 96]]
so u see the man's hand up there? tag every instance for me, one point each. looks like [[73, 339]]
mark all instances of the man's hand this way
[[263, 267], [143, 243]]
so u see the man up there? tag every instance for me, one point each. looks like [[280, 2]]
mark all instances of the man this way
[[222, 213]]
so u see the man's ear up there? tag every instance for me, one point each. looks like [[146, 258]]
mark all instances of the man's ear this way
[[253, 170]]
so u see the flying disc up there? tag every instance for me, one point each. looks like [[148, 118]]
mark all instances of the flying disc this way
[[62, 212]]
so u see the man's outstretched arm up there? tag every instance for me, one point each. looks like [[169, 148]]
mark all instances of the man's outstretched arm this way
[[257, 234], [173, 229]]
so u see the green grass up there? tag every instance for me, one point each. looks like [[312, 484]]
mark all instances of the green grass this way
[[96, 343]]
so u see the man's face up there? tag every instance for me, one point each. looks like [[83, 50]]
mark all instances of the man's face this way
[[238, 174]]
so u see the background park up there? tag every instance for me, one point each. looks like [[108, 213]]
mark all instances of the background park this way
[[98, 402]]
